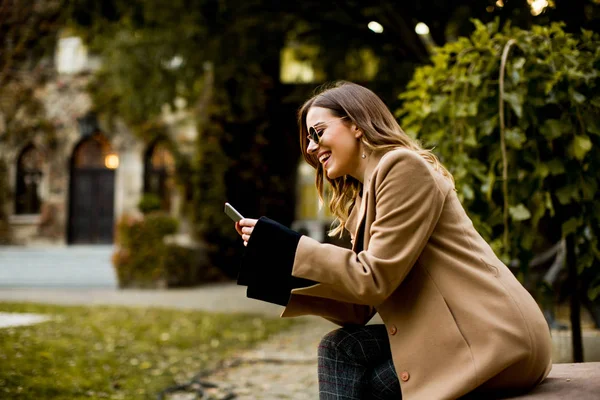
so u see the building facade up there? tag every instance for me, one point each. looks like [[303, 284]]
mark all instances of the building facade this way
[[73, 188]]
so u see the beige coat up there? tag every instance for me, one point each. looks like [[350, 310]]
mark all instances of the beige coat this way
[[456, 317]]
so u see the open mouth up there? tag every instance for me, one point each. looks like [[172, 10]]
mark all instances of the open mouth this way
[[324, 158]]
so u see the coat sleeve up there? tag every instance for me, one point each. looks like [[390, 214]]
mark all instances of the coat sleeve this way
[[338, 312], [266, 267], [408, 203], [266, 270]]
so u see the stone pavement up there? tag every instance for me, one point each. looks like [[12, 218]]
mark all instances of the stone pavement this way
[[284, 367]]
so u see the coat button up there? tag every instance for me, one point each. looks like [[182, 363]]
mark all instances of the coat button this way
[[405, 376], [393, 330]]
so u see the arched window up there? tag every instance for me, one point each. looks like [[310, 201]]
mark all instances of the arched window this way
[[29, 176], [159, 169]]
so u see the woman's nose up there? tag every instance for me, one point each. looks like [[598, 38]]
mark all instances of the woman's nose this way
[[312, 147]]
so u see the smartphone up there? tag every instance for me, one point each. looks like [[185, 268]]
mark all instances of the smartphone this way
[[232, 213]]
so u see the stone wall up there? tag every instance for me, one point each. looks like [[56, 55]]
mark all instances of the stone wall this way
[[67, 103]]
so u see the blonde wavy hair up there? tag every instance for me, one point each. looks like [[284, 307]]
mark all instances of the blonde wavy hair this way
[[363, 108]]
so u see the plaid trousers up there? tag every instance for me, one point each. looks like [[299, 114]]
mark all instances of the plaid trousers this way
[[355, 363]]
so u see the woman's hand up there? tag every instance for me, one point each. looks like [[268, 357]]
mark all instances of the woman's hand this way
[[245, 227]]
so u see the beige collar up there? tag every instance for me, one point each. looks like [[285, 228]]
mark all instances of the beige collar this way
[[357, 214], [372, 162]]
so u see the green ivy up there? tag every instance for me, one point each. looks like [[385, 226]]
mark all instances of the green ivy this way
[[530, 178]]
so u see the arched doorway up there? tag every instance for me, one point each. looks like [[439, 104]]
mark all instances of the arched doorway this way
[[92, 192], [159, 170]]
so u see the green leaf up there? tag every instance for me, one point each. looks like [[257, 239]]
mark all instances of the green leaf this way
[[468, 192], [593, 293], [556, 167], [591, 122], [516, 103], [589, 187], [466, 109], [549, 204], [472, 108], [470, 137], [438, 103], [566, 193], [519, 63], [488, 125], [425, 110], [581, 146], [514, 137], [554, 128], [490, 187], [584, 261], [519, 213], [515, 76], [435, 137], [537, 208], [474, 79], [570, 226], [577, 97], [542, 170]]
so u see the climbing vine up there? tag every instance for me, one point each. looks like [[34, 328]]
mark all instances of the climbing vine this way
[[514, 114]]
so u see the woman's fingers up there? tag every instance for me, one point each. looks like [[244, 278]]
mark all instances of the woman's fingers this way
[[248, 222], [238, 228], [244, 228]]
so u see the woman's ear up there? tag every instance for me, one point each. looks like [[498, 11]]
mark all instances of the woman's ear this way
[[357, 132]]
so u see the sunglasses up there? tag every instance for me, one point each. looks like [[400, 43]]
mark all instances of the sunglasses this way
[[315, 135]]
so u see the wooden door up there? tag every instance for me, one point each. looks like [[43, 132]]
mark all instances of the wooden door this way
[[92, 192], [92, 206]]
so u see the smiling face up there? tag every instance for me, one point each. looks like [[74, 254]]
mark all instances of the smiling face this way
[[339, 149]]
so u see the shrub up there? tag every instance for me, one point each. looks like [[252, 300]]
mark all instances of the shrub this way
[[514, 115], [144, 259], [149, 202]]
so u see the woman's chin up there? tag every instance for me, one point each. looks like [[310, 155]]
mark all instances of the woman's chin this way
[[332, 174]]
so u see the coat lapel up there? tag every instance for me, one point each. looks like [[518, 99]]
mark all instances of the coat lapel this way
[[357, 215], [352, 221], [359, 221]]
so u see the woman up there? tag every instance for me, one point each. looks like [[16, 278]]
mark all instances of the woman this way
[[456, 320]]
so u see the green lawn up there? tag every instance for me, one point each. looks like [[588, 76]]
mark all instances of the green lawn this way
[[118, 352]]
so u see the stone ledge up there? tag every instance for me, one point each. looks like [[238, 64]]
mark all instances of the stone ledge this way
[[24, 219], [579, 381]]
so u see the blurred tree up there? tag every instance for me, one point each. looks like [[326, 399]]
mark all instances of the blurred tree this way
[[222, 57]]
